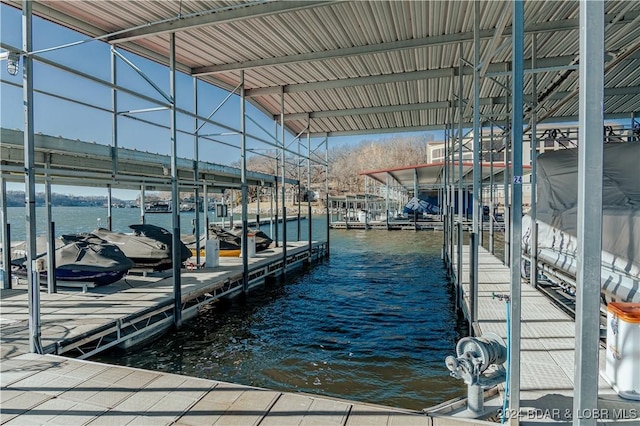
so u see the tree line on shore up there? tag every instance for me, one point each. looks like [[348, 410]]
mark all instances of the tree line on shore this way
[[347, 162]]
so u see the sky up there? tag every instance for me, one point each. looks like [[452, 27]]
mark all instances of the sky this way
[[59, 117]]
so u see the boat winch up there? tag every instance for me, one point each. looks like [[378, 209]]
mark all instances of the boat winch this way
[[475, 356]]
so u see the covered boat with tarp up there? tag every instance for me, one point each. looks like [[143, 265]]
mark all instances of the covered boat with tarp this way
[[149, 246], [78, 258], [557, 190]]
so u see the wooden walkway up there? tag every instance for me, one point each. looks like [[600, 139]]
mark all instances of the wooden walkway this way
[[547, 349]]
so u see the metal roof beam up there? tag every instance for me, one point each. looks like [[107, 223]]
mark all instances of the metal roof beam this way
[[498, 100], [362, 111], [554, 26], [397, 77], [553, 119], [215, 17]]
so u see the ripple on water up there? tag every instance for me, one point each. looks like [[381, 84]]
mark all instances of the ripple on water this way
[[372, 323]]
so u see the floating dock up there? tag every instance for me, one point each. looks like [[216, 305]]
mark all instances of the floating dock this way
[[404, 225], [137, 308], [38, 389], [547, 350]]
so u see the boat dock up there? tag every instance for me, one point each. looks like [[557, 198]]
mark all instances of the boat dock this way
[[39, 389], [397, 225], [81, 324], [404, 225], [547, 349], [51, 388], [258, 222]]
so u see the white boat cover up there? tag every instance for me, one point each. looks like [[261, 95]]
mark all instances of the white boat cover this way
[[557, 179]]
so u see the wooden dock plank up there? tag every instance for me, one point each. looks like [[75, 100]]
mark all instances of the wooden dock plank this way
[[79, 414], [288, 410], [18, 402], [326, 412], [44, 412], [249, 408]]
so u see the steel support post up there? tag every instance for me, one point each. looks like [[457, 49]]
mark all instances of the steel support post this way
[[245, 189], [475, 207], [51, 236], [6, 236], [415, 194], [387, 198], [35, 344], [142, 204], [516, 206], [271, 213], [589, 225], [366, 202], [444, 201], [299, 228], [175, 191], [205, 209], [506, 216], [473, 282], [451, 234], [284, 192], [109, 208], [196, 173], [491, 192], [258, 195], [533, 277], [114, 113], [276, 191], [460, 112], [326, 188], [310, 212], [232, 205], [459, 291]]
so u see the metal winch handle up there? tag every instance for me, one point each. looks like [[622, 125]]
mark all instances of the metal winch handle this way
[[475, 356], [486, 350]]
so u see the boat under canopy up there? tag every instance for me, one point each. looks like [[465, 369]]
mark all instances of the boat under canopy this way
[[149, 246], [557, 184], [78, 257]]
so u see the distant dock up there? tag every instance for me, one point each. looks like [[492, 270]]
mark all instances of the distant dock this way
[[403, 225]]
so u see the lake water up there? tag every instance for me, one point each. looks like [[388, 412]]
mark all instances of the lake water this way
[[371, 323]]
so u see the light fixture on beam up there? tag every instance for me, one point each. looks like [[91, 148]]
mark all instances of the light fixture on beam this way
[[13, 62]]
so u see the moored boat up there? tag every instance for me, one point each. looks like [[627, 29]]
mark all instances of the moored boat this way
[[158, 207], [78, 258], [231, 240], [557, 219], [149, 246]]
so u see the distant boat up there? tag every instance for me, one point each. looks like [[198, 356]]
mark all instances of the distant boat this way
[[187, 207], [78, 258], [158, 207]]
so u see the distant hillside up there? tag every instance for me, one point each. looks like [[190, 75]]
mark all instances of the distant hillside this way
[[16, 199]]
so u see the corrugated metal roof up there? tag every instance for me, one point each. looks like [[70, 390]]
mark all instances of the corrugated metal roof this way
[[366, 66]]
